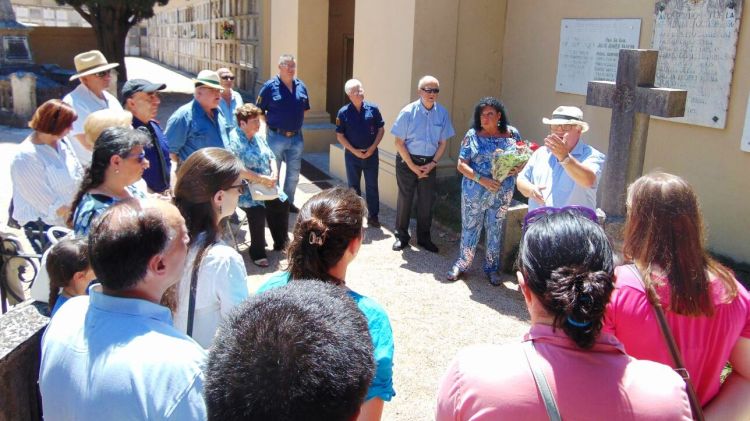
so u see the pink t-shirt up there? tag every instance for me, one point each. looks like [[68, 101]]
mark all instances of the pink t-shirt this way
[[705, 342], [492, 382]]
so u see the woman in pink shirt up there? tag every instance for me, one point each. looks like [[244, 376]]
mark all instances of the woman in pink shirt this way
[[566, 277], [707, 310]]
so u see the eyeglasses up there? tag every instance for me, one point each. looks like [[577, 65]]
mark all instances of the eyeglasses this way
[[539, 213], [104, 74], [563, 127], [139, 158], [431, 90], [242, 187], [228, 77]]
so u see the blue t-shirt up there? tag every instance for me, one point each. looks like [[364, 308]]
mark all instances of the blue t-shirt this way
[[190, 129], [359, 127], [380, 331], [284, 109], [61, 299]]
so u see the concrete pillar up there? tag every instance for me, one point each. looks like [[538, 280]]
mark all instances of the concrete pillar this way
[[23, 86]]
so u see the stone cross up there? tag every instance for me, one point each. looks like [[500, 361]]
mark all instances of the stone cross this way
[[633, 100]]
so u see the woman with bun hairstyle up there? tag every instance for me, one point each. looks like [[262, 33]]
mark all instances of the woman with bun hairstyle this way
[[566, 277], [706, 309], [326, 238]]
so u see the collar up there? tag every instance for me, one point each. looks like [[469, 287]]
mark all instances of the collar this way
[[198, 109], [128, 306], [243, 137], [138, 123], [578, 149], [546, 334], [93, 95]]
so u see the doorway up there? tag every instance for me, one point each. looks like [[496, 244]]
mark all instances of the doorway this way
[[340, 53]]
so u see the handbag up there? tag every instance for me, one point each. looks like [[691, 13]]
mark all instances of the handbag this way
[[695, 404], [550, 405], [260, 192]]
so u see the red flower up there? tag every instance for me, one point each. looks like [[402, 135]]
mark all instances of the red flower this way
[[533, 146]]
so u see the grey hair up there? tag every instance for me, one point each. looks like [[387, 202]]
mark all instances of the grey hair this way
[[351, 84], [285, 58], [427, 79]]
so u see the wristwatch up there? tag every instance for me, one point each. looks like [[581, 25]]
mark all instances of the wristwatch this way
[[565, 161]]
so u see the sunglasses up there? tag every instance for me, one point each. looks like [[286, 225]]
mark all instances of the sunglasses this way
[[228, 77], [139, 158], [242, 187], [103, 74], [540, 213], [431, 90], [563, 127]]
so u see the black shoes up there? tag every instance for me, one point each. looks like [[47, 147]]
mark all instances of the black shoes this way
[[428, 245], [373, 222], [400, 244], [494, 278], [293, 209], [454, 274]]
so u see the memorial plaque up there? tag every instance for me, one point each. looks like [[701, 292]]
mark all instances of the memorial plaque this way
[[697, 42], [589, 50]]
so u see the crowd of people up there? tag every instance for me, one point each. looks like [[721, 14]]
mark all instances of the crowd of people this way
[[151, 313]]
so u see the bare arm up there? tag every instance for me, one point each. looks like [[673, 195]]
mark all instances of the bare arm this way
[[378, 137], [529, 190], [732, 401], [488, 183], [372, 410]]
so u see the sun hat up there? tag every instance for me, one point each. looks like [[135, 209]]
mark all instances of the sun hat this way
[[91, 62], [133, 86], [208, 78], [567, 115]]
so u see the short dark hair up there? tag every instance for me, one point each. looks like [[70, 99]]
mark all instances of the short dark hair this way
[[567, 262], [122, 241], [302, 351], [498, 106]]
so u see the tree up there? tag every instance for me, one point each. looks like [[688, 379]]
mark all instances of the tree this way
[[111, 20]]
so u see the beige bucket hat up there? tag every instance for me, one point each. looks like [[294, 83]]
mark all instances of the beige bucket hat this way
[[567, 115], [208, 78], [91, 62]]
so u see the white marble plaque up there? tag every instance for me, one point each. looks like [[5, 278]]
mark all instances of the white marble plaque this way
[[745, 142], [697, 42], [589, 50]]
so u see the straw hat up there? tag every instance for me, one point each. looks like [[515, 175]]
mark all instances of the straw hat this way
[[567, 115], [91, 62], [208, 78]]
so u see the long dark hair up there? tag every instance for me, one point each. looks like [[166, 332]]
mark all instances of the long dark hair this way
[[498, 106], [325, 226], [64, 259], [567, 262], [664, 229], [112, 141]]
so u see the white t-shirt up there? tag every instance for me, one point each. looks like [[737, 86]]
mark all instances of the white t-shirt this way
[[221, 286]]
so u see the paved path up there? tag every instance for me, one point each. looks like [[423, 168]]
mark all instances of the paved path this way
[[431, 319]]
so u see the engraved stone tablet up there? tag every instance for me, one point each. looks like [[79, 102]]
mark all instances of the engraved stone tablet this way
[[697, 42], [589, 50]]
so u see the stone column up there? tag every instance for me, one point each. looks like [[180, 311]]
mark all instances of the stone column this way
[[23, 86]]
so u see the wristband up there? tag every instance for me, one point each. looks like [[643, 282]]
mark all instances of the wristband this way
[[434, 162], [477, 177]]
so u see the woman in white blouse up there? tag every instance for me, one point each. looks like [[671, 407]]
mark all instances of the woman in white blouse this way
[[46, 171], [209, 185]]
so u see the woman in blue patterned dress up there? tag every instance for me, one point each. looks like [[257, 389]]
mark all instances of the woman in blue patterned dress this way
[[117, 163], [484, 201], [260, 165]]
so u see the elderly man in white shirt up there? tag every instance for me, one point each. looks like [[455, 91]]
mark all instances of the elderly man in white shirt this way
[[91, 95]]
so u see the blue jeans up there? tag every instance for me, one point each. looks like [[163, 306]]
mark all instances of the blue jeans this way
[[354, 169], [289, 150]]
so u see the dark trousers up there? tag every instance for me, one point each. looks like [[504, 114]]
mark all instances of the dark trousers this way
[[354, 169], [408, 184], [276, 214]]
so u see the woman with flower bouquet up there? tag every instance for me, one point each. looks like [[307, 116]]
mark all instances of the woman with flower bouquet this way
[[489, 145]]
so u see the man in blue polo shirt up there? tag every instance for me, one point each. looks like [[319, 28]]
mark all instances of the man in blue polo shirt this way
[[199, 123], [141, 98], [359, 129], [422, 129], [284, 100]]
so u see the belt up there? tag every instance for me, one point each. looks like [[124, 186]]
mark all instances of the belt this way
[[421, 159], [283, 132]]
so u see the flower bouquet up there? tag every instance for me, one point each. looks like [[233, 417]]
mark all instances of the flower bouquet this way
[[227, 29], [504, 160]]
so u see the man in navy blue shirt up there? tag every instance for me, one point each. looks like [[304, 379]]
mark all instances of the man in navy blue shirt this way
[[141, 98], [359, 129], [284, 100]]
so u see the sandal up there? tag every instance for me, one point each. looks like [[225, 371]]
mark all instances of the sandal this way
[[262, 262]]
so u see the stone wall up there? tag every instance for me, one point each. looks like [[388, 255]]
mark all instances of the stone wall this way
[[58, 45]]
